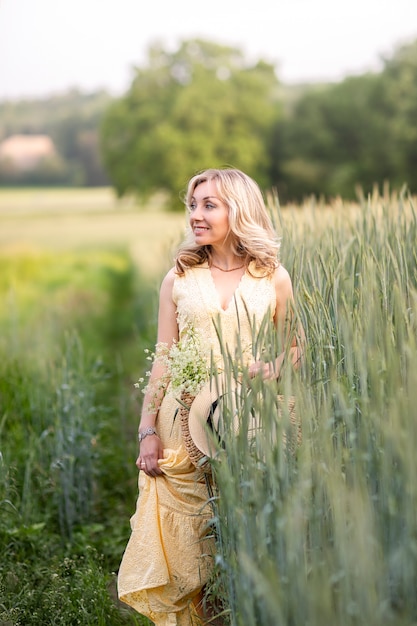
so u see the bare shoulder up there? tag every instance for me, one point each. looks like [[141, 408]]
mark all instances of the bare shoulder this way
[[282, 279], [283, 293], [167, 319], [168, 281]]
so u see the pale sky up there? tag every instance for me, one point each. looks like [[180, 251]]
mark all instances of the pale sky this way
[[49, 46]]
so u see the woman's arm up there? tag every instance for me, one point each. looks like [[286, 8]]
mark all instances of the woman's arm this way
[[292, 339], [151, 447]]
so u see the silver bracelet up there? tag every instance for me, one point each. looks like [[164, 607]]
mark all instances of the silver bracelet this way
[[148, 431]]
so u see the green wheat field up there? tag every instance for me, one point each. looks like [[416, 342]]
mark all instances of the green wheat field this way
[[326, 536]]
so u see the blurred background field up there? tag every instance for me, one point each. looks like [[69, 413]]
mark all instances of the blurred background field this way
[[58, 220]]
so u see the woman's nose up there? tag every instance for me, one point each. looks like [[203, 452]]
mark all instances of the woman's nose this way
[[197, 213]]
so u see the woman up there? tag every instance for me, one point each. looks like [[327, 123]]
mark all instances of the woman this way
[[226, 275]]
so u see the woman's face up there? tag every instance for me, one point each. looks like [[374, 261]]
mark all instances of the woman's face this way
[[209, 216]]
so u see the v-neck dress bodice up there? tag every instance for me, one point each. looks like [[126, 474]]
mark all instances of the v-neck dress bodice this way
[[198, 304], [168, 558]]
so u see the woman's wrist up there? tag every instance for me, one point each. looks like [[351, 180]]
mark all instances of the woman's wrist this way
[[146, 432]]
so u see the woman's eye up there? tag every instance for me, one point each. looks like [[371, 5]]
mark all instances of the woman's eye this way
[[209, 206]]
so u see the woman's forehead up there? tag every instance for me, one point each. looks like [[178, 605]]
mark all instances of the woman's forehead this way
[[206, 189]]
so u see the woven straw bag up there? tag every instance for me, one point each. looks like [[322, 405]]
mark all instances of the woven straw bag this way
[[196, 456], [293, 436]]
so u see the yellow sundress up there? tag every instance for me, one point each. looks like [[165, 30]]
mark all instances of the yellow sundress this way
[[169, 556]]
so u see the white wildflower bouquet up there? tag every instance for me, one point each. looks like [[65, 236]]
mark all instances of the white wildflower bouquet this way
[[187, 368], [186, 364]]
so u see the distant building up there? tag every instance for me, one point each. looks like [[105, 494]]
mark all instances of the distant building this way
[[25, 152]]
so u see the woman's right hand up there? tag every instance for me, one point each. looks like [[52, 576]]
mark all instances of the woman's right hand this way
[[149, 453]]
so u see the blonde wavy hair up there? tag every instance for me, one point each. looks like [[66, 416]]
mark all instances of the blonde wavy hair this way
[[253, 237]]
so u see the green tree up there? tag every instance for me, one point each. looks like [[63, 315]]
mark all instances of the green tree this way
[[201, 106], [400, 81], [357, 133], [337, 139]]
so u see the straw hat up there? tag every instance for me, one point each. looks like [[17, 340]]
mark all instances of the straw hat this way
[[217, 407], [216, 403]]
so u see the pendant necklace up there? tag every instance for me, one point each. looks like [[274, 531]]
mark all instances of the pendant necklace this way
[[223, 270]]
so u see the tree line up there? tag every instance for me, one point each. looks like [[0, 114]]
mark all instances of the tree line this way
[[72, 121], [205, 105]]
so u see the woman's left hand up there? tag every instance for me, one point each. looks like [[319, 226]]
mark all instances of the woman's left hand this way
[[265, 370]]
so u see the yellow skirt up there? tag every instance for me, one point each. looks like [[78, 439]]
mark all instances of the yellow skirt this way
[[169, 556]]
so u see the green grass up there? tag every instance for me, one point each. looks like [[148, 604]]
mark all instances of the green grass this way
[[73, 327], [326, 536]]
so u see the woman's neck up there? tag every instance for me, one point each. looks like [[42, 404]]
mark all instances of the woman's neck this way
[[226, 262]]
